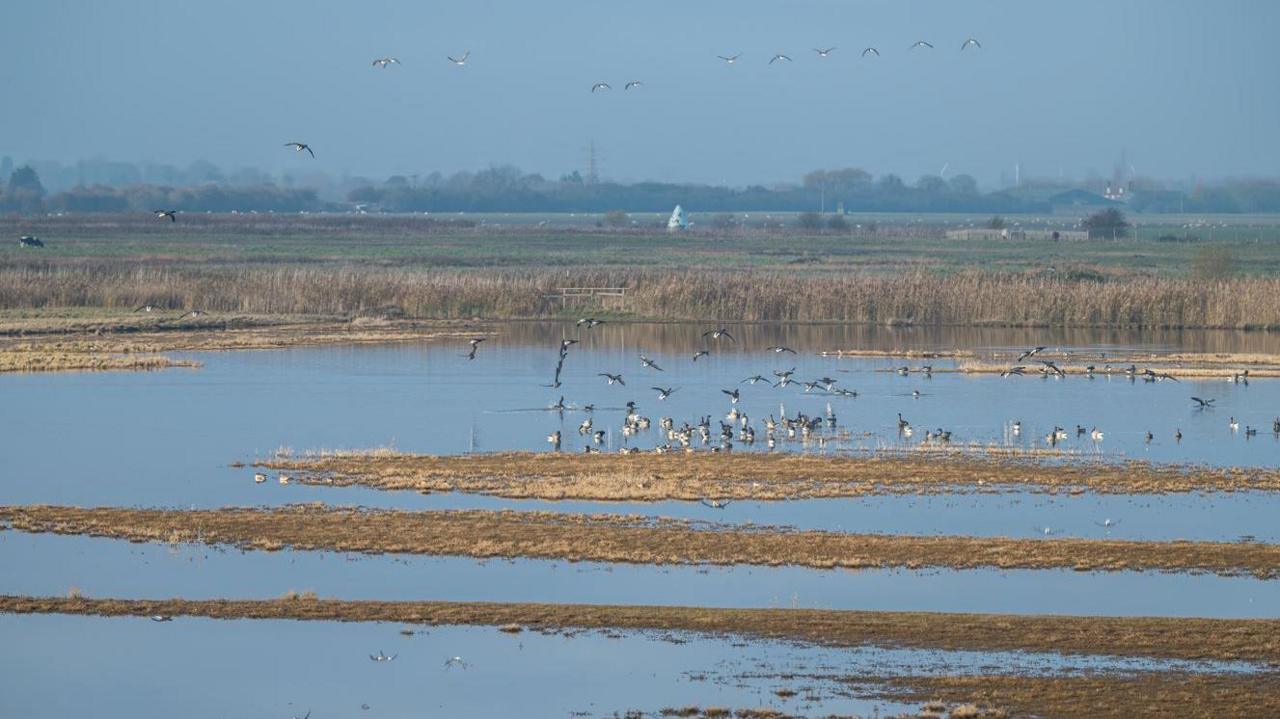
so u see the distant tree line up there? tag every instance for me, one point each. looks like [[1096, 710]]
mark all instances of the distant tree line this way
[[507, 189]]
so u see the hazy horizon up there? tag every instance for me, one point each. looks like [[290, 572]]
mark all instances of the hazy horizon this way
[[1182, 87]]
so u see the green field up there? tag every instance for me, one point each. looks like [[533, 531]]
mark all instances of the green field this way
[[873, 244]]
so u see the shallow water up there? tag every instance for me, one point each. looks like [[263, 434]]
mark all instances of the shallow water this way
[[165, 438], [194, 667], [47, 565]]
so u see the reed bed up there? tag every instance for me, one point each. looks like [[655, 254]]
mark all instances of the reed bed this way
[[916, 297], [628, 539], [1251, 640]]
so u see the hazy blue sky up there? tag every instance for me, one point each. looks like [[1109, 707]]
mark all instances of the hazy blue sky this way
[[1189, 87]]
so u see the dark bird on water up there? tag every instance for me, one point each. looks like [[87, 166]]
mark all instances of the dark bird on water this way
[[29, 241]]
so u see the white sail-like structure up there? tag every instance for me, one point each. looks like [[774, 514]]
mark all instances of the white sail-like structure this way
[[677, 222]]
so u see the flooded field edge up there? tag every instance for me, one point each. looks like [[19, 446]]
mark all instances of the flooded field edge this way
[[1247, 640], [627, 539], [702, 475]]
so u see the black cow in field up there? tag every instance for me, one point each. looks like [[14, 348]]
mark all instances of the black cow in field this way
[[29, 241]]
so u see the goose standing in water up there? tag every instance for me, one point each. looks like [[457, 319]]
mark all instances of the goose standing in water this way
[[554, 439], [1233, 424]]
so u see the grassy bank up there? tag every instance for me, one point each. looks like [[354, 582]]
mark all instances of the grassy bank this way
[[916, 297], [621, 539]]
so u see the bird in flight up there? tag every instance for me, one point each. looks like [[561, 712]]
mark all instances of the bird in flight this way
[[601, 86], [920, 43], [300, 146], [823, 52], [715, 503], [147, 308], [380, 657], [1202, 403], [192, 314], [754, 379], [384, 62], [1019, 371], [161, 214], [779, 349], [1029, 353], [612, 378], [778, 57], [460, 61], [649, 363], [734, 395], [162, 618], [455, 662], [664, 392], [718, 333], [871, 51], [589, 322], [475, 345], [700, 353], [972, 42], [633, 83], [731, 59]]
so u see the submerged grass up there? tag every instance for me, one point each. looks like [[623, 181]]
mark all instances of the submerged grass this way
[[754, 476], [628, 539], [1097, 696], [1253, 640]]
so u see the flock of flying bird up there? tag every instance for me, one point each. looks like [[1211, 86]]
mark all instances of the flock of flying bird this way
[[737, 426]]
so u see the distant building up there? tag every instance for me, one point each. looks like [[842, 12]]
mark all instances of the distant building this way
[[678, 222], [981, 234], [1061, 200]]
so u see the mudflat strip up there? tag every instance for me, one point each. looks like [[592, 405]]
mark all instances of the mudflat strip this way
[[133, 342], [1253, 640], [652, 477], [628, 539]]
